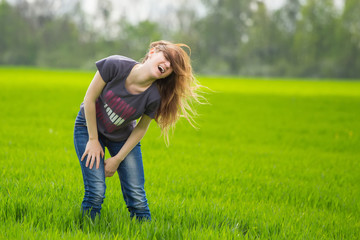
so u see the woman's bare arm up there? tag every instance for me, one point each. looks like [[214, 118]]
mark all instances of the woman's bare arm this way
[[93, 148], [136, 135]]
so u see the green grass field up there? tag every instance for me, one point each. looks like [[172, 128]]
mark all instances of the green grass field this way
[[275, 159]]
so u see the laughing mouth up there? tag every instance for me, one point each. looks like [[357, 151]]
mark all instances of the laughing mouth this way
[[161, 69]]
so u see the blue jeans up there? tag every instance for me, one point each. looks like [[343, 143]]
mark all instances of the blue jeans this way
[[130, 171]]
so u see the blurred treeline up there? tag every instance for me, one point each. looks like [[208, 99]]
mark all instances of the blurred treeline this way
[[311, 38]]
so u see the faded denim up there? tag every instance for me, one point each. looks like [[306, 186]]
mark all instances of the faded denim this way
[[130, 171]]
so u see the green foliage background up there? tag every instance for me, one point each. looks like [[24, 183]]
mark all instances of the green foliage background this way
[[274, 158], [311, 38]]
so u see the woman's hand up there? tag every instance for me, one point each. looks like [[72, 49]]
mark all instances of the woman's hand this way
[[93, 151], [111, 165]]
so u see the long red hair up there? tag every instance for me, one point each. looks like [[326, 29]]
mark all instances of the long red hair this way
[[179, 90]]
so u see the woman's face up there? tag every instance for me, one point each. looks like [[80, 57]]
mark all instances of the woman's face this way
[[160, 66]]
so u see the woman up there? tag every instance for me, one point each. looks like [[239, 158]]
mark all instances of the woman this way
[[161, 87]]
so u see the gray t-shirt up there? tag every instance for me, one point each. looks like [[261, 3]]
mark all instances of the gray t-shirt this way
[[116, 108]]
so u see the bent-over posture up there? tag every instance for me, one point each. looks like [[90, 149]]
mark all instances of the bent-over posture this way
[[122, 91]]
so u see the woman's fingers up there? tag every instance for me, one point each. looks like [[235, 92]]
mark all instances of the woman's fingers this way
[[91, 160], [83, 156], [108, 174], [94, 159], [87, 160], [98, 161], [93, 155]]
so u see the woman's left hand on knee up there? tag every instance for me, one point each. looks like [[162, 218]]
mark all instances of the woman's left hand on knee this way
[[111, 165]]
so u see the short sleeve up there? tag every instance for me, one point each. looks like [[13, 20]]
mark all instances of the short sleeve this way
[[152, 108], [108, 68]]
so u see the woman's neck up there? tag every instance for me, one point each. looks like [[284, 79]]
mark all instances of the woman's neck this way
[[140, 76]]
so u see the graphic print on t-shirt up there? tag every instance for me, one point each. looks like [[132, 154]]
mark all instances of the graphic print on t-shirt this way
[[114, 112]]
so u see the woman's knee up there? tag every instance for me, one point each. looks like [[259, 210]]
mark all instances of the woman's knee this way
[[95, 194]]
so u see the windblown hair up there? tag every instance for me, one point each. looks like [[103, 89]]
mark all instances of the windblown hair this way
[[179, 90]]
